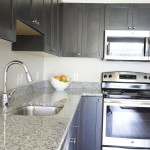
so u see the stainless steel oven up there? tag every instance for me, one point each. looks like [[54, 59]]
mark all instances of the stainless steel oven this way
[[126, 112]]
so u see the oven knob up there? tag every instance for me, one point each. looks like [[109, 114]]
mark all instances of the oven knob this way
[[110, 76], [105, 76], [145, 77]]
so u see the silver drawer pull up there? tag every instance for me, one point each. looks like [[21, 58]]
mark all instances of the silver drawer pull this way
[[75, 126], [36, 22], [73, 140], [134, 27], [129, 28]]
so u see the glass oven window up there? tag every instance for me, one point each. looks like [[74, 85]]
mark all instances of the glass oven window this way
[[128, 122]]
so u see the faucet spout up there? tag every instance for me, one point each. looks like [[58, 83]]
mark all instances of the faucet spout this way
[[28, 76]]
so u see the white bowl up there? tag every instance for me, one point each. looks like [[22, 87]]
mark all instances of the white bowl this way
[[58, 85]]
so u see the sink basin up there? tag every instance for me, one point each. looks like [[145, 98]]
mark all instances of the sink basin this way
[[37, 110]]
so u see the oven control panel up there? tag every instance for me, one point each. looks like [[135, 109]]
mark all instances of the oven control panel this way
[[125, 76]]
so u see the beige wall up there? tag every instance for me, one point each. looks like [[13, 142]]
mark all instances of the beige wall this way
[[89, 69], [34, 63]]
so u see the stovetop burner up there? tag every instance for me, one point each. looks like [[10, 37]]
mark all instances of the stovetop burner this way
[[126, 85]]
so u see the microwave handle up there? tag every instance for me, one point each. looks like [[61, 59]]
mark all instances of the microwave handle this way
[[108, 48], [146, 47]]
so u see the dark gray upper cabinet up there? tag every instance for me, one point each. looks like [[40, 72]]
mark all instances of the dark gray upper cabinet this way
[[49, 17], [82, 30], [127, 16], [7, 20], [54, 27], [31, 13], [141, 17], [38, 14], [47, 24], [118, 16], [71, 30], [93, 30]]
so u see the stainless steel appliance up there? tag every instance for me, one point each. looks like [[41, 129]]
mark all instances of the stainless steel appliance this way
[[126, 45], [126, 112]]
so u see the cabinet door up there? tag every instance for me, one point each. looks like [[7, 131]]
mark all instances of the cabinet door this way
[[7, 20], [31, 13], [71, 30], [54, 27], [93, 30], [38, 14], [24, 11], [141, 17], [90, 128], [47, 24], [70, 142], [118, 16]]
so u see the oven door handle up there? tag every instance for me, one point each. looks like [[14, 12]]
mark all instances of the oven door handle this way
[[127, 102], [146, 43]]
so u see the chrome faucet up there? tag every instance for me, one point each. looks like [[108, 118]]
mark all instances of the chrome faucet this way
[[7, 96]]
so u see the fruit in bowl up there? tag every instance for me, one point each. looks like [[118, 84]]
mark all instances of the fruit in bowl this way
[[60, 82]]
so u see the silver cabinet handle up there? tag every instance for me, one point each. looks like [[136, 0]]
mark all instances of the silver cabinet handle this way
[[129, 27], [134, 27], [75, 126], [36, 22], [100, 54], [73, 140], [78, 54], [99, 100]]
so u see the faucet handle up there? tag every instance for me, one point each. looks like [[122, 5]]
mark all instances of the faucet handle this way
[[10, 94]]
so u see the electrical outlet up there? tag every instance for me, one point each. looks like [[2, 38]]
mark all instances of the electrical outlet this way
[[19, 78], [37, 75], [75, 76]]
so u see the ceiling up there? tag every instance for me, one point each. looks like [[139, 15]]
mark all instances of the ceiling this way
[[106, 1]]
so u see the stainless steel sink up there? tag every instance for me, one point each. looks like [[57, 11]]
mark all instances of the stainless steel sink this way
[[37, 110]]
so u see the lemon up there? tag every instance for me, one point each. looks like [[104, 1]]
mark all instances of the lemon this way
[[57, 78]]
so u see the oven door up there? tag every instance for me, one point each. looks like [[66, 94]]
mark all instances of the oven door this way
[[126, 123]]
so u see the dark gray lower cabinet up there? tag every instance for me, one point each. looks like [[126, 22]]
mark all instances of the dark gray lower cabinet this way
[[86, 128]]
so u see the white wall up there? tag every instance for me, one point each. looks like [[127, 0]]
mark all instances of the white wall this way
[[34, 63], [89, 69], [106, 1]]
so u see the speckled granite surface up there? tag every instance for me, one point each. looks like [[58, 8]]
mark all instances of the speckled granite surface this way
[[38, 132]]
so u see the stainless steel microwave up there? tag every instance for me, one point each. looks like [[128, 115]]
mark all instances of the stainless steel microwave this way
[[127, 45]]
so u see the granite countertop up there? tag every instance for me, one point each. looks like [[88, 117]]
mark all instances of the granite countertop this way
[[39, 132]]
